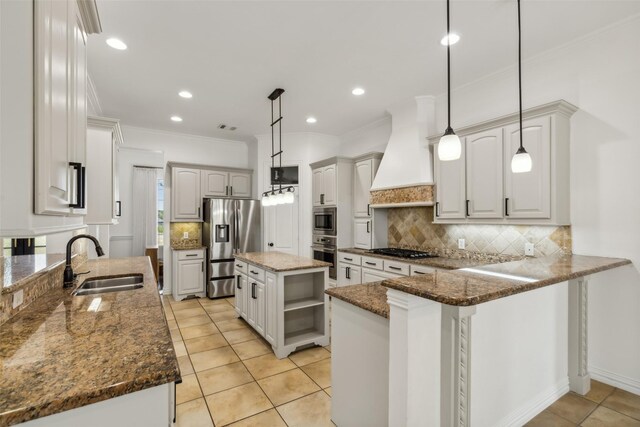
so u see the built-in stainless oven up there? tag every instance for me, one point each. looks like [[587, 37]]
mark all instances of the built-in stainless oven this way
[[324, 249], [324, 221]]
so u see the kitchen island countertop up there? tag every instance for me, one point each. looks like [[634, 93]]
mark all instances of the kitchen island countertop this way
[[280, 261]]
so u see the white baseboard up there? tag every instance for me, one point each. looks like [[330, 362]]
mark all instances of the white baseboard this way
[[526, 412], [631, 385]]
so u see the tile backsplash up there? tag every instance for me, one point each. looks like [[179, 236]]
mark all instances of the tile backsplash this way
[[413, 228], [177, 230]]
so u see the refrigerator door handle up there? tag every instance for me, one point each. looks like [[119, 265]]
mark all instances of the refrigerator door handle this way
[[236, 243]]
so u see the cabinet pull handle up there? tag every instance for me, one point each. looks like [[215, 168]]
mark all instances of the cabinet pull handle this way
[[467, 207], [239, 266], [370, 263], [348, 273], [119, 208], [368, 209], [191, 255], [231, 190], [506, 206], [202, 267], [322, 199], [253, 290], [226, 190], [418, 272], [238, 285], [77, 167], [83, 186], [437, 209], [198, 211], [394, 268], [254, 272], [368, 227], [348, 259]]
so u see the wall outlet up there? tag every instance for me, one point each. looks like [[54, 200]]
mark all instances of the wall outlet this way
[[461, 244], [18, 298], [185, 235], [528, 249]]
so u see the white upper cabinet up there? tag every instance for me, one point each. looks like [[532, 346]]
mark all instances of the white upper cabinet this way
[[223, 183], [325, 186], [364, 171], [281, 228], [186, 200], [215, 183], [317, 187], [362, 233], [484, 174], [528, 195], [329, 185], [480, 187], [103, 139], [239, 184], [450, 188]]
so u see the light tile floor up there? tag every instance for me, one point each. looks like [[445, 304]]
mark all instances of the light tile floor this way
[[603, 406], [231, 377]]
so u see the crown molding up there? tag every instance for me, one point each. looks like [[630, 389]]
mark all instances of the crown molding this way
[[90, 17]]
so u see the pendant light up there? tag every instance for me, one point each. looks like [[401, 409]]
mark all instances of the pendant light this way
[[449, 147], [282, 195], [521, 161]]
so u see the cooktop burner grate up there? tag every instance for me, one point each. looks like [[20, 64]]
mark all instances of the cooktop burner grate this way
[[402, 253]]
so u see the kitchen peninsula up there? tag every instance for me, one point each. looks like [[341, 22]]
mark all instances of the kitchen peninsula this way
[[282, 297], [455, 341], [102, 359]]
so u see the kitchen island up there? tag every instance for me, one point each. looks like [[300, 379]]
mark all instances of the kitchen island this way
[[101, 360], [282, 297], [483, 346]]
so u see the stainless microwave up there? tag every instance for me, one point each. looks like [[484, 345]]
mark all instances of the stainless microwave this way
[[324, 221]]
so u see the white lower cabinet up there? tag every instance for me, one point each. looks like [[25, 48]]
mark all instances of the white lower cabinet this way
[[349, 274], [289, 308], [356, 269], [188, 273], [369, 275]]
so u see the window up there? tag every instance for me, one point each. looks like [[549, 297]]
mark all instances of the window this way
[[13, 247], [160, 212]]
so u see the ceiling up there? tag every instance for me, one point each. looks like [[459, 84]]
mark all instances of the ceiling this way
[[232, 54]]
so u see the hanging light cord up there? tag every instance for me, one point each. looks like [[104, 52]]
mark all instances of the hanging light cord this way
[[449, 71], [520, 72]]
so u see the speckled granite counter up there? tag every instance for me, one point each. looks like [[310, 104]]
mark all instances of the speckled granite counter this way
[[17, 269], [187, 247], [57, 354], [279, 261], [369, 296], [471, 286], [443, 262]]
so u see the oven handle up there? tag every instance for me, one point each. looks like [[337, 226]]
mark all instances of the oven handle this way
[[323, 249]]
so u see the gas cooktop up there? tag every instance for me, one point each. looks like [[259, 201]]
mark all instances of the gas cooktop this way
[[402, 253]]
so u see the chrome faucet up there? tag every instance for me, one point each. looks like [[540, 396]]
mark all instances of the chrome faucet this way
[[69, 276]]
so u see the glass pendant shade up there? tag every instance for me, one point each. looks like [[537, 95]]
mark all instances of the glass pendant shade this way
[[266, 200], [521, 161], [289, 197], [280, 198], [449, 147]]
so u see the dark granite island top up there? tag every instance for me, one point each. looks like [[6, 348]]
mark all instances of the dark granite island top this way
[[64, 352], [279, 261], [472, 286]]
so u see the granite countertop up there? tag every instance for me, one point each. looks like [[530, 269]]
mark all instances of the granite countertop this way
[[369, 296], [471, 286], [439, 262], [187, 247], [57, 354], [17, 270], [279, 261]]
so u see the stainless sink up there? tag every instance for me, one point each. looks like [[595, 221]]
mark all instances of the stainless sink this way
[[100, 285]]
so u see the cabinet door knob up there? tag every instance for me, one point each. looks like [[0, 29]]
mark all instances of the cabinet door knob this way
[[271, 244]]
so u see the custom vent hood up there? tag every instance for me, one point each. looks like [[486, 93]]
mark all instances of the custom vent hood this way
[[405, 175]]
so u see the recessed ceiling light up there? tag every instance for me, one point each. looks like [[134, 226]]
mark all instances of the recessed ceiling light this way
[[311, 120], [451, 39], [116, 44], [358, 91], [176, 118], [185, 94]]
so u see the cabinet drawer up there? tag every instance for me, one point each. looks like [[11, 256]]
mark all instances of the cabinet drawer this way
[[194, 254], [396, 267], [375, 263], [255, 273], [349, 258], [241, 266], [418, 270]]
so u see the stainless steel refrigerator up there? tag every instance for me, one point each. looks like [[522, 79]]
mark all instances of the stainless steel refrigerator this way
[[230, 227]]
